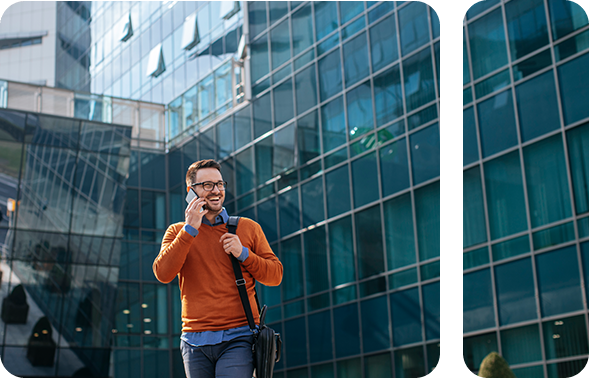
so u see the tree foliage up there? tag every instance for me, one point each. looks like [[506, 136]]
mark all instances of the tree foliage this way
[[495, 366]]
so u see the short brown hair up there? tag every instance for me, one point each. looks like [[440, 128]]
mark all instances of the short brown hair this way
[[191, 174]]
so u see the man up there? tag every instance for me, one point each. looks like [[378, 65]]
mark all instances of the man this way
[[216, 340]]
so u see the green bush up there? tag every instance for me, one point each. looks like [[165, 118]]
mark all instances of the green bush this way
[[495, 366]]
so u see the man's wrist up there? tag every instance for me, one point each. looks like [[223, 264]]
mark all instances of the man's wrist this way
[[191, 230], [244, 254]]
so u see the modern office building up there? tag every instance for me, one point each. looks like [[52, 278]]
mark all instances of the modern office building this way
[[526, 224], [324, 116]]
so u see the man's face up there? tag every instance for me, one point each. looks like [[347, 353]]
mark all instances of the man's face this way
[[215, 197]]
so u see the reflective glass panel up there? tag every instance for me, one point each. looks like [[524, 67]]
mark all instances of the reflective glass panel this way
[[312, 197], [374, 315], [289, 212], [578, 148], [378, 366], [565, 17], [478, 302], [356, 59], [320, 337], [514, 282], [419, 79], [431, 310], [350, 9], [425, 154], [365, 180], [359, 106], [259, 57], [333, 124], [262, 117], [244, 171], [337, 188], [325, 18], [394, 167], [277, 10], [476, 348], [341, 248], [537, 106], [243, 127], [565, 337], [526, 25], [308, 137], [521, 345], [279, 37], [487, 44], [257, 17], [497, 123], [283, 104], [302, 29], [399, 233], [413, 25], [473, 210], [573, 79], [267, 219], [383, 43], [347, 330], [369, 242], [264, 157], [470, 146], [291, 256], [296, 354], [427, 213], [330, 75], [406, 318], [306, 92], [388, 96], [316, 260], [480, 7], [409, 362]]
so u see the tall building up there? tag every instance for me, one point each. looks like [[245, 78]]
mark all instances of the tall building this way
[[324, 116], [526, 230]]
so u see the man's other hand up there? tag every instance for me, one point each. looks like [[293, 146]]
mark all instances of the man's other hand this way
[[231, 244]]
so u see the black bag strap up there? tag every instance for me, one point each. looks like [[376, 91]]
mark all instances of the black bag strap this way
[[239, 280]]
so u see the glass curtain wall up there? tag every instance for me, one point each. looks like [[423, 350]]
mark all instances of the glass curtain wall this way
[[526, 129]]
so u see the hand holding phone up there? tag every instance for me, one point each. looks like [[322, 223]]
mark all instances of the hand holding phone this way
[[192, 195]]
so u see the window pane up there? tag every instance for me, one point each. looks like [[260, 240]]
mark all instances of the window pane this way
[[406, 317], [572, 340], [399, 232], [388, 96], [337, 191], [472, 259], [409, 363], [378, 365], [374, 316], [350, 9], [330, 75], [505, 196], [521, 345], [320, 337], [341, 248], [267, 219], [478, 302], [526, 24], [277, 10], [302, 29], [469, 137], [487, 44], [279, 41], [566, 369], [306, 88], [355, 59], [244, 175], [427, 213], [473, 210], [546, 181], [359, 103], [383, 42], [559, 284], [347, 330], [257, 17], [425, 154], [259, 57], [316, 260], [224, 138], [369, 242], [497, 123], [325, 18], [289, 212], [394, 167], [566, 17], [537, 106], [243, 128], [153, 209], [312, 197], [419, 79], [296, 353], [333, 124], [578, 147], [262, 117], [480, 7], [291, 256], [284, 153], [308, 137], [413, 25], [264, 158], [515, 292], [431, 310], [283, 106], [365, 180], [573, 78], [476, 348], [510, 248]]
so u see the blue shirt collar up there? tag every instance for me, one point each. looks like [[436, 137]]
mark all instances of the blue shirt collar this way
[[222, 218]]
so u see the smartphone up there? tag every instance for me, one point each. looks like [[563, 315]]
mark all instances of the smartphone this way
[[192, 195]]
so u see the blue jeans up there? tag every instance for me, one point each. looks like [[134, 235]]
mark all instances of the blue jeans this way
[[230, 359]]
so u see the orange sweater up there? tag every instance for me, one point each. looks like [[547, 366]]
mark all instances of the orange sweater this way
[[210, 299]]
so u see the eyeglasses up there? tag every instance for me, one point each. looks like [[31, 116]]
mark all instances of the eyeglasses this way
[[209, 185]]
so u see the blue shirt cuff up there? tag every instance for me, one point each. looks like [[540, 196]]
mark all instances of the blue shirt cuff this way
[[191, 230], [244, 254]]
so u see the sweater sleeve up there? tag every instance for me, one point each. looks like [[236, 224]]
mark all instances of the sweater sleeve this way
[[263, 264], [175, 247]]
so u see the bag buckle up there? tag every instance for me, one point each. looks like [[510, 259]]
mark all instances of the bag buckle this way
[[240, 282]]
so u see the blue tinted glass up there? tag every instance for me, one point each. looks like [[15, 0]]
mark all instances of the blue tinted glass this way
[[264, 153], [409, 362], [330, 75], [257, 17], [476, 348], [480, 7], [469, 137], [510, 248], [494, 83], [359, 103], [374, 315], [289, 212], [262, 117], [243, 127], [546, 181], [473, 209], [356, 59], [337, 189], [350, 9], [497, 123], [152, 166], [312, 197], [259, 58], [224, 138], [406, 317], [383, 42], [537, 106], [333, 124], [413, 25], [296, 353], [394, 167], [283, 106], [487, 44], [316, 260], [388, 96], [526, 25], [153, 209], [515, 292], [431, 310], [585, 257], [435, 23], [280, 50], [558, 281], [320, 337], [267, 219], [399, 232], [377, 12], [505, 196], [365, 180], [369, 242], [347, 330], [419, 79], [325, 18], [533, 64], [306, 92], [572, 340], [553, 236], [425, 153], [302, 29], [578, 146], [465, 67], [573, 79], [308, 137], [277, 10], [522, 344], [292, 257], [427, 214], [478, 257], [478, 301], [341, 248], [566, 17]]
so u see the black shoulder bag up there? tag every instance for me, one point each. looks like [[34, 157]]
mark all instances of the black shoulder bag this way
[[267, 343]]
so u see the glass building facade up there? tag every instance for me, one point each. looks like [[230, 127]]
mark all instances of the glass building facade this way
[[526, 224], [327, 130]]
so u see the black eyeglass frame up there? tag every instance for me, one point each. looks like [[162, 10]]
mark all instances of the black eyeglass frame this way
[[221, 188]]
